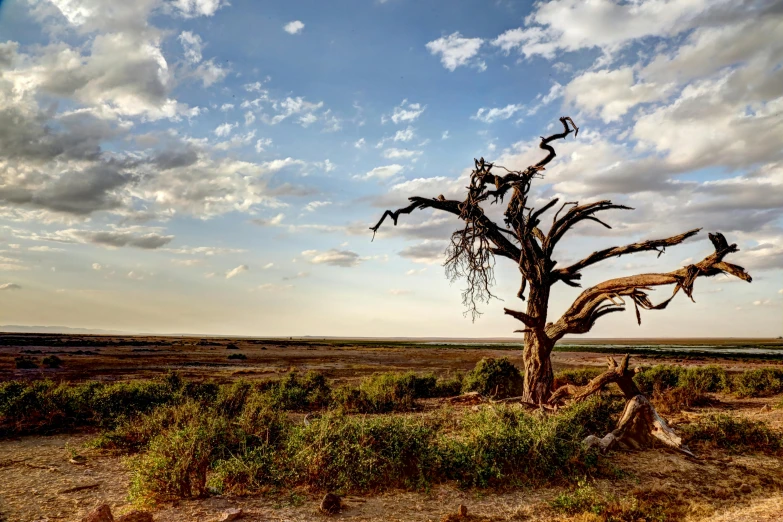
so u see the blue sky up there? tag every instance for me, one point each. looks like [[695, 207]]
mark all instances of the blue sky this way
[[213, 167]]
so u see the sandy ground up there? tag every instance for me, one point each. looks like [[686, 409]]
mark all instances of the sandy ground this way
[[39, 482]]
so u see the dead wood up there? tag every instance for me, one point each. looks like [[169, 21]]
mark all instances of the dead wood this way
[[520, 238]]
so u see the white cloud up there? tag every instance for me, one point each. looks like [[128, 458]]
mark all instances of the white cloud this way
[[571, 25], [445, 135], [488, 115], [427, 252], [359, 144], [268, 266], [193, 8], [455, 50], [333, 257], [294, 27], [210, 73], [413, 271], [192, 45], [10, 286], [262, 144], [187, 262], [271, 222], [97, 266], [385, 172], [611, 93], [236, 271], [44, 248], [313, 205], [407, 112], [401, 153], [225, 129]]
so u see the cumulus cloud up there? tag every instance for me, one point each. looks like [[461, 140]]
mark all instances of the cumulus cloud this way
[[313, 205], [456, 51], [385, 172], [407, 112], [270, 222], [488, 115], [294, 27], [236, 271], [394, 153], [427, 252], [10, 286], [333, 257], [611, 93], [194, 8], [192, 45]]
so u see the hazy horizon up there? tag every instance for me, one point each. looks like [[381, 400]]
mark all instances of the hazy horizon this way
[[212, 166]]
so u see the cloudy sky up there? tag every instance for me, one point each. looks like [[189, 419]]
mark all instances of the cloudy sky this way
[[209, 166]]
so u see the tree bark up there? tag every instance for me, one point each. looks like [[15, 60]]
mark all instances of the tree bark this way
[[538, 377]]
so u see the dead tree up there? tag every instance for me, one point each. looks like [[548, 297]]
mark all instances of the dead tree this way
[[471, 255]]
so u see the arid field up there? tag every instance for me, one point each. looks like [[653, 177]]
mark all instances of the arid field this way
[[53, 469]]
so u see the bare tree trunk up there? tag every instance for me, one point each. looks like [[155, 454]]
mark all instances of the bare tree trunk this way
[[538, 376]]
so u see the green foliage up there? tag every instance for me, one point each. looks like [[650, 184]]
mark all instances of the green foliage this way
[[388, 392], [240, 356], [710, 378], [25, 363], [576, 376], [44, 406], [732, 434], [52, 361], [337, 452], [505, 444], [494, 377], [758, 383], [297, 392], [176, 462], [662, 375]]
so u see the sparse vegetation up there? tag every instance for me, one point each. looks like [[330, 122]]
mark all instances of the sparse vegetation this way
[[758, 383], [52, 361], [25, 363], [494, 377], [733, 434], [239, 356]]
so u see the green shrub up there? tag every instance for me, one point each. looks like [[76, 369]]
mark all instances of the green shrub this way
[[449, 387], [494, 377], [507, 445], [176, 462], [663, 375], [387, 392], [52, 361], [576, 376], [710, 378], [735, 435], [25, 363], [240, 356], [758, 383], [296, 392], [337, 452]]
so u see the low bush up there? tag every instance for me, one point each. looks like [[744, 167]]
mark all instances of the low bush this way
[[662, 375], [337, 452], [674, 400], [295, 392], [240, 356], [176, 462], [576, 376], [387, 392], [52, 361], [762, 382], [709, 378], [25, 363], [494, 377], [732, 434]]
